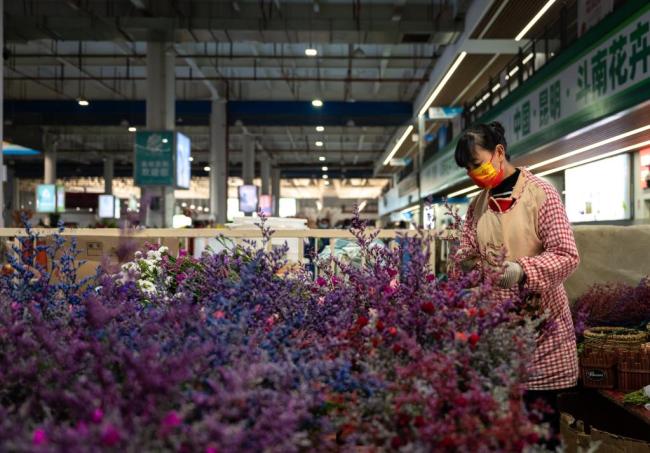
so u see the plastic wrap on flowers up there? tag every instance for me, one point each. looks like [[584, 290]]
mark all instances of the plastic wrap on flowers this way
[[222, 354]]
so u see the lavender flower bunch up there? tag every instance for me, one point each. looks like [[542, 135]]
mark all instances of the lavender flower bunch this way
[[224, 354]]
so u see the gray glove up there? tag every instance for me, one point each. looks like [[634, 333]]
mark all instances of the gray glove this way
[[513, 274]]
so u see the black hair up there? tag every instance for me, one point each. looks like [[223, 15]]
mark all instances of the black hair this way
[[486, 136]]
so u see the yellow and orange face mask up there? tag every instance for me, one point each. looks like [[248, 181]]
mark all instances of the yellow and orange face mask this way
[[486, 176]]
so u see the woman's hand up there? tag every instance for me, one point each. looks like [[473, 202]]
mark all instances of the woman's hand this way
[[513, 274]]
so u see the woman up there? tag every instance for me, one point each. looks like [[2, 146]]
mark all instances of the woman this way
[[522, 216]]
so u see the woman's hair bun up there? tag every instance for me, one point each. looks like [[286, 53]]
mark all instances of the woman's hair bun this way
[[498, 128]]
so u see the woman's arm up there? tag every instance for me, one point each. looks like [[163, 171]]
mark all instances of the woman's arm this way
[[560, 256]]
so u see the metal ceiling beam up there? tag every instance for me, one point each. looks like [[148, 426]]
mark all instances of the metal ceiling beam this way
[[494, 46]]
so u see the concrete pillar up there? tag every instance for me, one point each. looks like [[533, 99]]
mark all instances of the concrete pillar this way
[[161, 115], [248, 159], [265, 170], [422, 131], [49, 164], [275, 190], [219, 162], [109, 170]]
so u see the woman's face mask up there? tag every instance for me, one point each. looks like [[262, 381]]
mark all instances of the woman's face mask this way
[[486, 176]]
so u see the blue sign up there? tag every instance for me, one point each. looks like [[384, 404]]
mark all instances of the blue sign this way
[[183, 165]]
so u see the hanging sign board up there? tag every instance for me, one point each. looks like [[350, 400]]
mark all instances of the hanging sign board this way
[[183, 164], [154, 158], [46, 198]]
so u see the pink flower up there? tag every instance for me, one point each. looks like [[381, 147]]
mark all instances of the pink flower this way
[[321, 300], [110, 436], [97, 416], [320, 281], [171, 420], [211, 450], [39, 438], [218, 314], [391, 272], [181, 277], [462, 337], [430, 277], [182, 253], [335, 280], [391, 288]]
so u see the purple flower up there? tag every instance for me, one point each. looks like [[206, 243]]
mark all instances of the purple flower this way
[[39, 437], [97, 415], [320, 281], [171, 420], [111, 436]]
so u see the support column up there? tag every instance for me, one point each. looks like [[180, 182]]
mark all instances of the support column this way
[[422, 131], [219, 162], [161, 115], [265, 170], [275, 190], [49, 164], [109, 170], [248, 159]]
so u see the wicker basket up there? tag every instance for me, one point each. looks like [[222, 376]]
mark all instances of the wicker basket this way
[[598, 368], [633, 371], [614, 338]]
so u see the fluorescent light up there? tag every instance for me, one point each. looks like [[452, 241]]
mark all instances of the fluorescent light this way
[[486, 97], [362, 205], [324, 168], [496, 87], [164, 140], [322, 158], [311, 52], [192, 206], [317, 103], [398, 144], [206, 168], [480, 101], [590, 147], [319, 143], [191, 159], [183, 205], [473, 194], [514, 71], [462, 192], [442, 83], [320, 128], [595, 158], [528, 58], [83, 102], [325, 177], [534, 20], [132, 129]]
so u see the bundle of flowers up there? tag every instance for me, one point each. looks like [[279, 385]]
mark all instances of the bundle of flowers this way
[[223, 354], [613, 304]]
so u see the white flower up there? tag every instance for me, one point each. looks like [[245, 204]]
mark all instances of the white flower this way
[[138, 254], [147, 288], [130, 267], [169, 280], [163, 249], [98, 289], [646, 391]]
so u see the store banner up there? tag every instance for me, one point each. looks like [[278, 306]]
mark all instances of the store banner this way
[[617, 63], [590, 12], [154, 158], [584, 88]]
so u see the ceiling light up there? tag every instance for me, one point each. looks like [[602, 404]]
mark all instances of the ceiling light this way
[[317, 103], [164, 140], [362, 205], [90, 209], [327, 183], [514, 71], [132, 128], [311, 52], [590, 147], [324, 168], [325, 177], [192, 206], [183, 205], [462, 192], [398, 144], [322, 158], [528, 58], [595, 158], [319, 143], [191, 159], [534, 20], [78, 208], [442, 83], [485, 98], [83, 102], [496, 87], [206, 168], [320, 128]]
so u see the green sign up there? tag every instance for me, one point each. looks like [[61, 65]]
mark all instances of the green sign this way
[[46, 198], [154, 158]]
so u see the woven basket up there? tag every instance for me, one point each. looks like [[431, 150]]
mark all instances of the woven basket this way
[[614, 338], [633, 371]]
